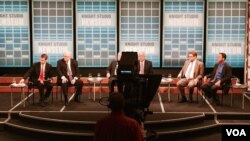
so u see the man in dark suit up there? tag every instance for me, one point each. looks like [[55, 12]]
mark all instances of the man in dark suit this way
[[68, 74], [40, 74], [190, 75], [220, 78], [112, 74], [145, 66]]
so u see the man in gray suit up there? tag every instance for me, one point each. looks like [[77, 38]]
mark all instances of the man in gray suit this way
[[190, 76], [112, 74]]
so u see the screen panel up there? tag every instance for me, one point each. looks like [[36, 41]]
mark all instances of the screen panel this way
[[96, 32], [52, 29], [14, 33], [182, 31], [140, 28], [226, 31]]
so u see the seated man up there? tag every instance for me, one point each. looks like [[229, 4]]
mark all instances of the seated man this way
[[68, 74], [112, 74], [219, 78], [117, 126], [190, 74], [40, 74], [145, 66]]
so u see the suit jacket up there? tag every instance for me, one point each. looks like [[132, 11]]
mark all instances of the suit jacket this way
[[148, 67], [62, 69], [111, 67], [34, 72], [226, 73], [198, 69]]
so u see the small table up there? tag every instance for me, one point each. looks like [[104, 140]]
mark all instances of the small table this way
[[94, 81], [243, 88], [167, 81], [21, 86]]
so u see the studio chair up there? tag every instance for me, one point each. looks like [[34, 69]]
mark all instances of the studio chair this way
[[225, 89]]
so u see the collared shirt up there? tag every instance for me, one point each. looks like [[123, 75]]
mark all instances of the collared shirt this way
[[142, 63], [219, 71], [190, 70], [69, 72], [116, 67]]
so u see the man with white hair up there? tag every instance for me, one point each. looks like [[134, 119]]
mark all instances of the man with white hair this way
[[68, 74], [145, 66]]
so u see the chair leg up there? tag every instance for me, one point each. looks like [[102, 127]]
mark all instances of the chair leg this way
[[61, 94], [178, 95], [222, 97], [56, 92], [197, 94], [28, 95], [52, 94], [33, 95]]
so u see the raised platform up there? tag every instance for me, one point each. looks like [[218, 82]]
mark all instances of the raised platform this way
[[195, 121]]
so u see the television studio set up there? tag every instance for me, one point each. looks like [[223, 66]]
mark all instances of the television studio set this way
[[124, 70]]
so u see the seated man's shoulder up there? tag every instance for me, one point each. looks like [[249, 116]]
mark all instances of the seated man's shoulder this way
[[200, 62]]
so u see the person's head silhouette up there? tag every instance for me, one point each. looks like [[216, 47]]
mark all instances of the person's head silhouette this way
[[116, 102]]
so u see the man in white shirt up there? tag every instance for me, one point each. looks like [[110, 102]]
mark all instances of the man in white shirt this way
[[68, 75], [190, 76], [145, 66]]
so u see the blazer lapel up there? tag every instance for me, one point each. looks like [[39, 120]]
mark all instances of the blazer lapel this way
[[145, 65], [185, 67], [196, 72], [38, 68], [65, 65]]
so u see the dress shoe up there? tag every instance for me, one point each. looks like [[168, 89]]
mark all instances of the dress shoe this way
[[183, 100], [208, 95], [66, 103], [190, 99], [78, 101], [46, 100], [42, 104], [76, 98], [216, 102]]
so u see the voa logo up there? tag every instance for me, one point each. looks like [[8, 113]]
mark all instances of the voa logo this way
[[236, 132]]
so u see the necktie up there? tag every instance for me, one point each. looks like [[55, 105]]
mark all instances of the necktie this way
[[69, 73], [41, 76], [141, 68], [189, 70]]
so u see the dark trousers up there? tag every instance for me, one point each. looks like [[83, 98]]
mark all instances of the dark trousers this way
[[112, 81], [210, 90], [41, 87], [78, 84]]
